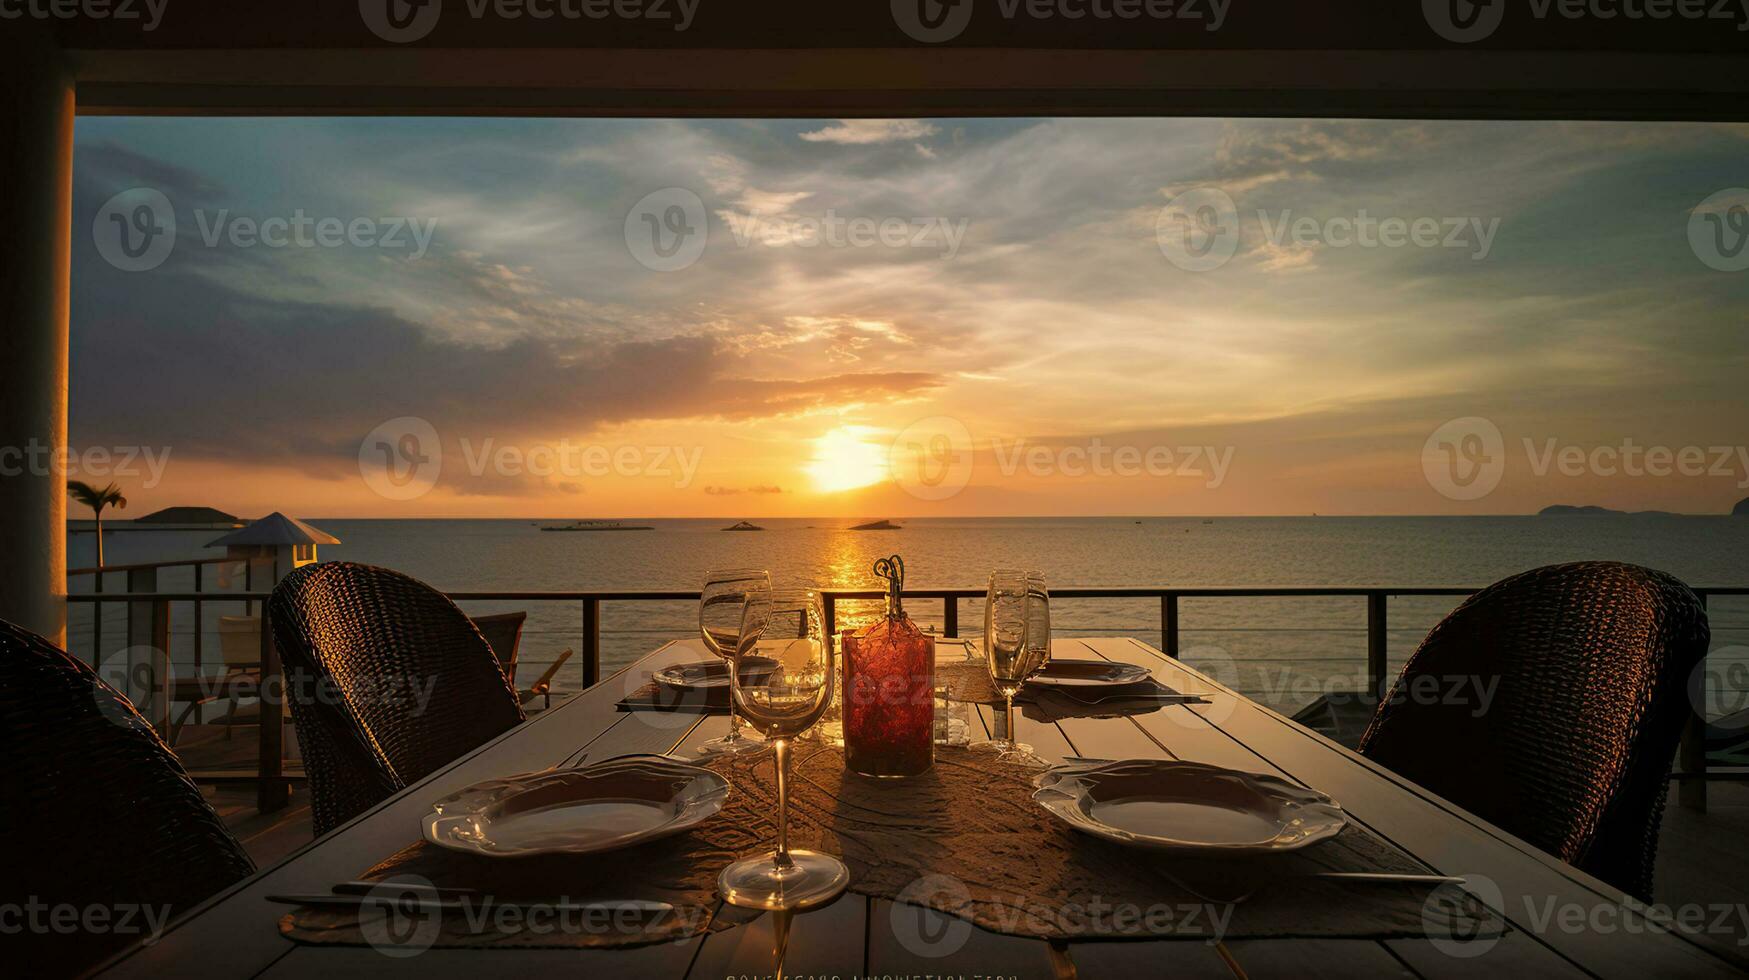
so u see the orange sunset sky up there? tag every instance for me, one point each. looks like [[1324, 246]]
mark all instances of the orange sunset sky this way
[[891, 318]]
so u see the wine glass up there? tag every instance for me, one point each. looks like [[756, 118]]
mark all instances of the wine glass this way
[[783, 698], [1017, 645], [720, 608], [1038, 617]]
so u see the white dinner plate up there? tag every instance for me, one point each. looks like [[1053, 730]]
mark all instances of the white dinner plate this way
[[613, 804], [1088, 673], [1188, 807]]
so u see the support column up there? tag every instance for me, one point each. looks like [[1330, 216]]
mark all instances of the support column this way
[[36, 204]]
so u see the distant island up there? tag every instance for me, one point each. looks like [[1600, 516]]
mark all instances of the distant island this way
[[205, 516], [597, 526], [1588, 510], [877, 526], [744, 526]]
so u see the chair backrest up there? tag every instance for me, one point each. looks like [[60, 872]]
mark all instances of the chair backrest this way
[[240, 640], [388, 679], [503, 633], [96, 810], [1551, 704]]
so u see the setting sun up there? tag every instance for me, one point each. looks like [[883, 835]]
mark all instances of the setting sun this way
[[842, 460]]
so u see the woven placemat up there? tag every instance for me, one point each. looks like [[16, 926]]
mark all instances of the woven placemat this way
[[964, 838]]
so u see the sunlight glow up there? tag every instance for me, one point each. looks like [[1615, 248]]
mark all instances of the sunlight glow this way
[[844, 461]]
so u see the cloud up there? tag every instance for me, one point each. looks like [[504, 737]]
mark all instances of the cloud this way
[[858, 132], [529, 318]]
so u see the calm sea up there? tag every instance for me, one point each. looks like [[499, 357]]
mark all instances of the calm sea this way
[[1281, 651]]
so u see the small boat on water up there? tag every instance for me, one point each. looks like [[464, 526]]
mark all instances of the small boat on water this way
[[877, 526], [597, 526], [744, 526]]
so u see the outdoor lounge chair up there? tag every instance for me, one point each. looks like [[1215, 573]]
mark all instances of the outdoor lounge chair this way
[[388, 681], [1551, 704], [503, 632], [240, 646]]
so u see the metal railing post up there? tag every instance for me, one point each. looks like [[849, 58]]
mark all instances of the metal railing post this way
[[829, 605], [148, 628], [97, 622], [591, 642], [271, 791], [197, 621], [950, 619], [1377, 651], [1169, 624], [1691, 756]]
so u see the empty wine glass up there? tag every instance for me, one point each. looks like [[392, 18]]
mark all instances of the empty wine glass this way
[[721, 605], [1038, 617], [1017, 645], [783, 700]]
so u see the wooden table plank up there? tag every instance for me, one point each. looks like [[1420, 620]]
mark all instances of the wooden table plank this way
[[1517, 956], [912, 941], [822, 942], [1316, 959], [235, 933], [666, 961], [1189, 959], [1045, 737], [1438, 833]]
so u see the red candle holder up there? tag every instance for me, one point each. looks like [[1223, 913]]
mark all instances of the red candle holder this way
[[889, 690]]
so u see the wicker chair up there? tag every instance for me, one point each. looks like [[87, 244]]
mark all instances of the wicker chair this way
[[1588, 666], [96, 811], [389, 682]]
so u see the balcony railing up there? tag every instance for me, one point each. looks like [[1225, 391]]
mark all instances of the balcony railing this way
[[150, 615]]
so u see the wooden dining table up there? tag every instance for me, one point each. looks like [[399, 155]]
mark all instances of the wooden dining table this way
[[1563, 922]]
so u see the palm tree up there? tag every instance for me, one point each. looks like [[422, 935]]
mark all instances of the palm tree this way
[[97, 499]]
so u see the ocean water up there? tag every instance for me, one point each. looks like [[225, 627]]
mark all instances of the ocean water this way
[[1283, 652]]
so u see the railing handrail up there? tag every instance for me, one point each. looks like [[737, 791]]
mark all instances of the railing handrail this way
[[1067, 592], [142, 566], [271, 788]]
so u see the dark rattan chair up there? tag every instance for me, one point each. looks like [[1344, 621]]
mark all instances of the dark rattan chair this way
[[96, 812], [1588, 664], [389, 681]]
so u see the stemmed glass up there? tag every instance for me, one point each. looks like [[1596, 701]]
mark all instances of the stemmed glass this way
[[783, 698], [720, 608], [1017, 645]]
